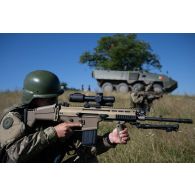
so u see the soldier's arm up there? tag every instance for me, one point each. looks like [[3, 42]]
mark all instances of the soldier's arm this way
[[19, 147], [104, 144], [27, 147], [110, 140]]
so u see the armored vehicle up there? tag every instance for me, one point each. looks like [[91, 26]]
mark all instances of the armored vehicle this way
[[124, 81]]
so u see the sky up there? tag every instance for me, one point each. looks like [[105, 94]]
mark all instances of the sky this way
[[60, 53]]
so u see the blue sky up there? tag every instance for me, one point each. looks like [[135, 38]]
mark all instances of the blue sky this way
[[59, 53]]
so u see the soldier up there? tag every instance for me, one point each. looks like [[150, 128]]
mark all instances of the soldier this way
[[143, 100], [47, 141], [82, 87], [89, 88]]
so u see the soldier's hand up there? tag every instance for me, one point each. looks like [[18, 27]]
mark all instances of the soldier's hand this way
[[65, 129], [121, 137]]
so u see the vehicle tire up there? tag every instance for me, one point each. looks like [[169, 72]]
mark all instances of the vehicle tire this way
[[157, 88], [138, 87], [122, 88], [107, 87]]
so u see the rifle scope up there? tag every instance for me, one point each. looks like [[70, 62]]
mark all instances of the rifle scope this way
[[99, 99]]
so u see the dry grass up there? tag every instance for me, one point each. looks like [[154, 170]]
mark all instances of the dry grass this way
[[145, 145], [156, 145], [8, 99]]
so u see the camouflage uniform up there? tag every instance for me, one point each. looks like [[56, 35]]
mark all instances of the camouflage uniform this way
[[143, 99], [41, 144], [19, 143]]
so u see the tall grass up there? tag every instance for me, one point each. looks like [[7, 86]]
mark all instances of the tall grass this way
[[144, 145]]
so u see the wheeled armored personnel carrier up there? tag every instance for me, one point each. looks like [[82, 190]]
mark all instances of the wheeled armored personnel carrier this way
[[124, 81]]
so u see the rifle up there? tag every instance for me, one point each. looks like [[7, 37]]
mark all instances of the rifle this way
[[90, 115]]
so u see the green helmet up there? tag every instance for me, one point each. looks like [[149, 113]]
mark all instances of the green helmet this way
[[40, 84]]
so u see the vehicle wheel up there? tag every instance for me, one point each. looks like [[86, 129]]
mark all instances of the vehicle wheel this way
[[157, 88], [107, 87], [122, 88], [138, 87]]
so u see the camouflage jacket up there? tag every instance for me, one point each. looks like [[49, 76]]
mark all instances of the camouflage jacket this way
[[40, 144]]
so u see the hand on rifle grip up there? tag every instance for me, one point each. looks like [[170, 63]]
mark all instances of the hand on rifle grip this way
[[119, 135], [65, 129]]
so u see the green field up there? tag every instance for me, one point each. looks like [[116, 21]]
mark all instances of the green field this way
[[145, 145]]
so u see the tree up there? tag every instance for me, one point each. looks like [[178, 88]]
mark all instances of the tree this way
[[64, 85], [121, 52]]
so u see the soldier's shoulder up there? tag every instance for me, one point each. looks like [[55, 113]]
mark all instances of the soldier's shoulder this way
[[11, 126]]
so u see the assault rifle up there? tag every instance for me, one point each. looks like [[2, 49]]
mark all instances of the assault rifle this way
[[96, 109]]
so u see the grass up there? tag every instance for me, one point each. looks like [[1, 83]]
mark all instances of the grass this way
[[145, 146]]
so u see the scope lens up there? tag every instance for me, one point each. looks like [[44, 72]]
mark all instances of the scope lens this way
[[77, 97]]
